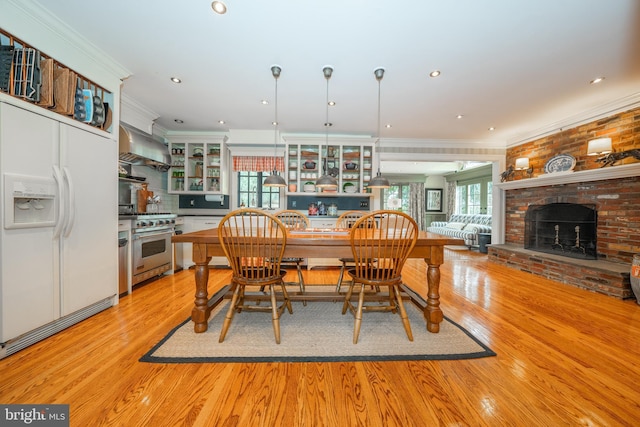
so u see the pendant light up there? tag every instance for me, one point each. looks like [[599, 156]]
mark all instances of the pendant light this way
[[326, 180], [275, 180], [378, 181]]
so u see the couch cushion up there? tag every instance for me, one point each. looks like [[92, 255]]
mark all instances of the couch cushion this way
[[456, 225]]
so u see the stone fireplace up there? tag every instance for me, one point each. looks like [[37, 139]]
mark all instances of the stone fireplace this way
[[566, 229]]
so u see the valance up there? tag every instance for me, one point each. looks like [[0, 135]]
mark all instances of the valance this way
[[258, 163]]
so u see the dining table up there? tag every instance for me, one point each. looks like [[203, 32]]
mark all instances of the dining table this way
[[316, 243]]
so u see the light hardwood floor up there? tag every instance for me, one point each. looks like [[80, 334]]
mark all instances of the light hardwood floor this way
[[565, 357]]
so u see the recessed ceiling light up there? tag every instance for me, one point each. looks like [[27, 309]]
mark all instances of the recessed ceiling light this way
[[221, 122], [219, 7], [274, 123], [596, 80], [434, 73], [492, 128], [264, 102], [328, 124], [332, 103], [179, 121], [176, 80], [388, 125], [459, 116]]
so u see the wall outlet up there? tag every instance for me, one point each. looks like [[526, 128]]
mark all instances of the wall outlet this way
[[364, 204], [294, 203]]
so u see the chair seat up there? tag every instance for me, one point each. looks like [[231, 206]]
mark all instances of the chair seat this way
[[263, 281], [372, 273]]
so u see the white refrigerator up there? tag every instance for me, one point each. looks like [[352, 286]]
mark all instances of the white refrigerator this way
[[58, 245]]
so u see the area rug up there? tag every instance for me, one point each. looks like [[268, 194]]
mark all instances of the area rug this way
[[317, 332]]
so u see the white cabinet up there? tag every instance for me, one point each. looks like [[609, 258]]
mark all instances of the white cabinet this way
[[54, 276], [322, 262], [350, 163], [199, 223], [198, 165]]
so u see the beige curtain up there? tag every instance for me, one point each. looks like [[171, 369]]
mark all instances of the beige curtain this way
[[416, 203], [451, 197]]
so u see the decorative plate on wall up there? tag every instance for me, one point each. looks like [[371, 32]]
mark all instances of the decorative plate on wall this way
[[560, 163]]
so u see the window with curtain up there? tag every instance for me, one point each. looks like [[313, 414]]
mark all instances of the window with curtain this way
[[253, 194], [396, 197]]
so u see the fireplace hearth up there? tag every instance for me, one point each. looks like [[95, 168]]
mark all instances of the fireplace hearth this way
[[566, 229]]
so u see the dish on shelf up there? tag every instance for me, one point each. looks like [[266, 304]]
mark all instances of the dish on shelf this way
[[309, 187], [349, 187], [560, 163]]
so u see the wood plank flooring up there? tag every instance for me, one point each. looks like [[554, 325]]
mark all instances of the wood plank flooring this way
[[566, 357]]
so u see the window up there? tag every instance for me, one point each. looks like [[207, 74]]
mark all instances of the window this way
[[253, 194], [474, 197], [396, 197]]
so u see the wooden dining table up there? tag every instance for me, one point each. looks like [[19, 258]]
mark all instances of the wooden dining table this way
[[316, 244]]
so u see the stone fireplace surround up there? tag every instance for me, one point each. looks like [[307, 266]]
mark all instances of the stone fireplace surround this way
[[615, 192]]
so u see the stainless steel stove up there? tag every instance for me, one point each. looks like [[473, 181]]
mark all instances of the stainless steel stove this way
[[152, 251]]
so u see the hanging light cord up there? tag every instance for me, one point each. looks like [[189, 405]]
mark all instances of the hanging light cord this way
[[275, 133], [379, 131]]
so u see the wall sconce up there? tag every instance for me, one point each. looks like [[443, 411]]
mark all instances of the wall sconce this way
[[522, 164], [598, 147]]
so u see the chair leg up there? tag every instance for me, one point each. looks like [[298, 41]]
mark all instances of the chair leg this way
[[403, 313], [230, 312], [347, 297], [275, 316], [358, 322], [285, 296], [344, 266], [301, 281]]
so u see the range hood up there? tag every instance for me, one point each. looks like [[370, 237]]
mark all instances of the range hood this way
[[139, 148]]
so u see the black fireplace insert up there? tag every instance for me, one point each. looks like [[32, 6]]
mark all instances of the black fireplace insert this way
[[566, 229]]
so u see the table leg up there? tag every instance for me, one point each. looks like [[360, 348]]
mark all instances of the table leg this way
[[200, 312], [432, 312]]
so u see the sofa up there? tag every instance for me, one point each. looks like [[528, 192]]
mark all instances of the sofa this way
[[463, 226]]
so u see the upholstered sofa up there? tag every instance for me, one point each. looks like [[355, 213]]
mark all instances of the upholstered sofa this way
[[463, 226]]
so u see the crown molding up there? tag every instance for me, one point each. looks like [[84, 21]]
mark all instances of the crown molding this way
[[601, 111]]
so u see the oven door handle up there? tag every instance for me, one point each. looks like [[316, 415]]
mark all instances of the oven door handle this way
[[137, 236]]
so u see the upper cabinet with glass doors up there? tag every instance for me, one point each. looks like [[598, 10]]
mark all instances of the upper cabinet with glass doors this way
[[199, 164], [350, 163]]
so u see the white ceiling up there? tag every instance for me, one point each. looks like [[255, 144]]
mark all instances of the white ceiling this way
[[519, 66]]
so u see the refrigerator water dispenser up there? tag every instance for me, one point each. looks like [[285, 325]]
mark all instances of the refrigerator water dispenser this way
[[29, 201]]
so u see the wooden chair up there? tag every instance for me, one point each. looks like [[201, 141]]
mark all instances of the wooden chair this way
[[347, 220], [254, 242], [294, 220], [390, 245]]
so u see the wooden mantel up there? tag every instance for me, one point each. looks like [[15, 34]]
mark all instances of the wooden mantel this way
[[558, 178]]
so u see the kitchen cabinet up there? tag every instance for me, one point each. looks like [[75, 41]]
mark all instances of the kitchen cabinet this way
[[350, 163], [198, 165], [322, 222], [55, 274], [199, 223]]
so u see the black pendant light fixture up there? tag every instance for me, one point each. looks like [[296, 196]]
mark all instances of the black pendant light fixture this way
[[378, 181], [326, 180], [275, 180]]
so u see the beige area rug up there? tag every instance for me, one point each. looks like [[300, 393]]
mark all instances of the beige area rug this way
[[315, 332]]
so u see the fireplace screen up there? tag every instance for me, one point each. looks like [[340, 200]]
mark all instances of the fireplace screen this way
[[566, 229]]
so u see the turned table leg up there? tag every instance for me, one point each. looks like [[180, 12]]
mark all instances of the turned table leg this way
[[200, 312], [432, 312]]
